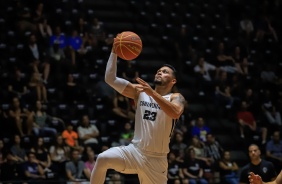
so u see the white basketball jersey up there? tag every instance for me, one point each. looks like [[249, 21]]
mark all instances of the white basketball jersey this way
[[153, 128]]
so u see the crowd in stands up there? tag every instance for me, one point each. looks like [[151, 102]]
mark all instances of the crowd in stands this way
[[57, 114]]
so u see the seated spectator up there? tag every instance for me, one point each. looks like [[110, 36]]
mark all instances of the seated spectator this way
[[38, 88], [130, 71], [70, 137], [40, 119], [11, 170], [274, 150], [200, 129], [178, 146], [18, 85], [122, 107], [206, 73], [74, 44], [71, 90], [96, 30], [38, 14], [246, 119], [18, 153], [18, 116], [88, 133], [33, 170], [127, 134], [74, 168], [59, 153], [199, 149], [173, 170], [36, 57], [270, 110], [213, 150], [45, 32], [89, 164], [224, 60], [24, 19], [246, 27], [58, 38], [228, 169], [268, 77], [192, 169], [42, 155]]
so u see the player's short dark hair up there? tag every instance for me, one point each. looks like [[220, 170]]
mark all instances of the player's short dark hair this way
[[172, 68]]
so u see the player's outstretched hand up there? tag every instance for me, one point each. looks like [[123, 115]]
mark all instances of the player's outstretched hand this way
[[144, 87], [255, 179]]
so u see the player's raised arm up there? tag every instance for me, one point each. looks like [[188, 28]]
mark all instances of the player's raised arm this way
[[120, 85]]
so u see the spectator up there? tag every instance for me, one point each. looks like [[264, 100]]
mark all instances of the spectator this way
[[71, 90], [127, 134], [11, 170], [224, 60], [274, 150], [178, 146], [18, 86], [18, 152], [74, 168], [206, 73], [42, 155], [228, 169], [70, 137], [40, 119], [38, 14], [89, 164], [37, 87], [97, 31], [246, 27], [82, 28], [58, 38], [252, 101], [88, 133], [200, 129], [33, 170], [122, 107], [270, 110], [59, 153], [130, 71], [258, 165], [45, 32], [58, 60], [75, 43], [18, 116], [192, 169], [213, 150], [268, 77], [24, 19], [199, 149], [174, 169], [36, 57], [246, 119]]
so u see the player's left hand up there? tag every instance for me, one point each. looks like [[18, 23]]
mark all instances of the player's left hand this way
[[144, 87], [255, 179]]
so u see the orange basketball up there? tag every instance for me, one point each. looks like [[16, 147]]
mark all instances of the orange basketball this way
[[127, 45]]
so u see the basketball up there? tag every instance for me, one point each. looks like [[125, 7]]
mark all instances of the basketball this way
[[127, 45]]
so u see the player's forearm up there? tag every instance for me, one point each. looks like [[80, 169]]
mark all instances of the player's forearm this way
[[171, 109], [111, 78]]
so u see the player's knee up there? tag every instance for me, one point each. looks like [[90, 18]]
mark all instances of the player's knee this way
[[103, 159]]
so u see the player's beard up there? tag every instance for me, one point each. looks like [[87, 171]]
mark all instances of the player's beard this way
[[158, 82]]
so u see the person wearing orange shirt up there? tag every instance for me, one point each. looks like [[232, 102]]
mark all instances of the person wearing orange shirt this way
[[71, 138]]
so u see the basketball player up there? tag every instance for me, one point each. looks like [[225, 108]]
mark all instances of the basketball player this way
[[256, 179], [157, 111]]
